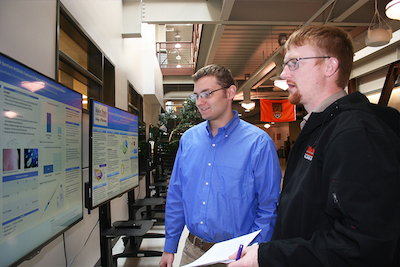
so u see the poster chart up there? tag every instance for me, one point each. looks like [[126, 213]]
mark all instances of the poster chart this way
[[114, 152], [40, 142]]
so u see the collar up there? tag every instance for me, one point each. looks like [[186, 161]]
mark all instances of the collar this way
[[228, 128], [324, 104]]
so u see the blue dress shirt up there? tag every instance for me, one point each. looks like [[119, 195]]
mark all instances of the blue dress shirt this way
[[224, 186]]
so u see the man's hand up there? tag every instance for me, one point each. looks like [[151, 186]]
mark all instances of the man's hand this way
[[249, 258], [166, 259]]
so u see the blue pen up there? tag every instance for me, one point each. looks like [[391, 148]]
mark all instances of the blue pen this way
[[239, 252]]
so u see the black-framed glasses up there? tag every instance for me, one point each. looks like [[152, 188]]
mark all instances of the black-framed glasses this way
[[293, 63], [205, 94]]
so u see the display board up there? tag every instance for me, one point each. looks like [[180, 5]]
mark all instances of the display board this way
[[40, 151], [113, 153]]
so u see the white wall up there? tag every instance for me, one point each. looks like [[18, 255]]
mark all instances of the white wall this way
[[28, 34]]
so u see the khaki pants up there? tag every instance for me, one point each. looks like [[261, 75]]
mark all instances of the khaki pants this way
[[191, 253]]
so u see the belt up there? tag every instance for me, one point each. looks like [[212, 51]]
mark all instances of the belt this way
[[198, 242]]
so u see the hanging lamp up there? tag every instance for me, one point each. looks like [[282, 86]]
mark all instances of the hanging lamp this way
[[247, 103], [393, 9], [278, 81], [377, 34]]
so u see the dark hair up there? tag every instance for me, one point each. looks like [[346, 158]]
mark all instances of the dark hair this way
[[223, 75], [330, 41]]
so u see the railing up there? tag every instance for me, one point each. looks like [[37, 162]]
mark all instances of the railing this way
[[175, 57], [179, 58]]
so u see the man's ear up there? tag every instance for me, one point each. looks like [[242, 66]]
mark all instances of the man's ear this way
[[332, 65], [231, 92]]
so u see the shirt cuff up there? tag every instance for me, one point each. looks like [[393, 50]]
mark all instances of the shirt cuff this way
[[171, 245]]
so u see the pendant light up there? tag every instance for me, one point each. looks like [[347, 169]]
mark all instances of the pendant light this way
[[377, 35], [393, 9], [247, 103]]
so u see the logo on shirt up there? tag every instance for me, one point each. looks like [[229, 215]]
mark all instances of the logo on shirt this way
[[309, 153]]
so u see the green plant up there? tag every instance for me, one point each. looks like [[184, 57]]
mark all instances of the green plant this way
[[177, 123]]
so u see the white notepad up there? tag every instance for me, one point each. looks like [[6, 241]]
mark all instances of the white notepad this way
[[220, 252]]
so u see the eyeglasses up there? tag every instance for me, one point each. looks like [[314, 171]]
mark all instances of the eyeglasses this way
[[205, 94], [293, 63]]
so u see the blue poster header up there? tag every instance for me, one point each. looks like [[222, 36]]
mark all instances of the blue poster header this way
[[27, 79], [105, 116]]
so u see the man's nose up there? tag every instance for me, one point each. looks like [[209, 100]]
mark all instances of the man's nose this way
[[199, 101], [285, 72]]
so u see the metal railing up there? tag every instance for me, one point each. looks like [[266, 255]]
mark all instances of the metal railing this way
[[177, 56]]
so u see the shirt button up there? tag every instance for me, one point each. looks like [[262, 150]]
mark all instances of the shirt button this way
[[226, 135], [213, 145], [201, 222], [204, 203], [209, 164], [206, 183]]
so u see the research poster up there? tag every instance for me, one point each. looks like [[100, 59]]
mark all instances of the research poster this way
[[41, 175], [114, 152]]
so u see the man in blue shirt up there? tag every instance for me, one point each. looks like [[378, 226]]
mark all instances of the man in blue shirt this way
[[226, 177]]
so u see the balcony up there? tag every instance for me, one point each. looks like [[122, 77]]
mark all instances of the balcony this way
[[176, 58]]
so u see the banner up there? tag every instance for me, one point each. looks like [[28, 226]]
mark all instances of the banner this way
[[277, 111]]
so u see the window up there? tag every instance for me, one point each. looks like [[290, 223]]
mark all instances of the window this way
[[135, 102], [82, 65]]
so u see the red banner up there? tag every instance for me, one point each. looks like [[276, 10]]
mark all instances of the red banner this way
[[277, 111]]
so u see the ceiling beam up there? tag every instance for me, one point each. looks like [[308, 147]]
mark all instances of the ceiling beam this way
[[131, 23], [180, 12], [269, 64], [259, 23], [214, 43], [350, 11], [226, 10]]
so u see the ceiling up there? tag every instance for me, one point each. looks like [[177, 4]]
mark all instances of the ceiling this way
[[242, 35]]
